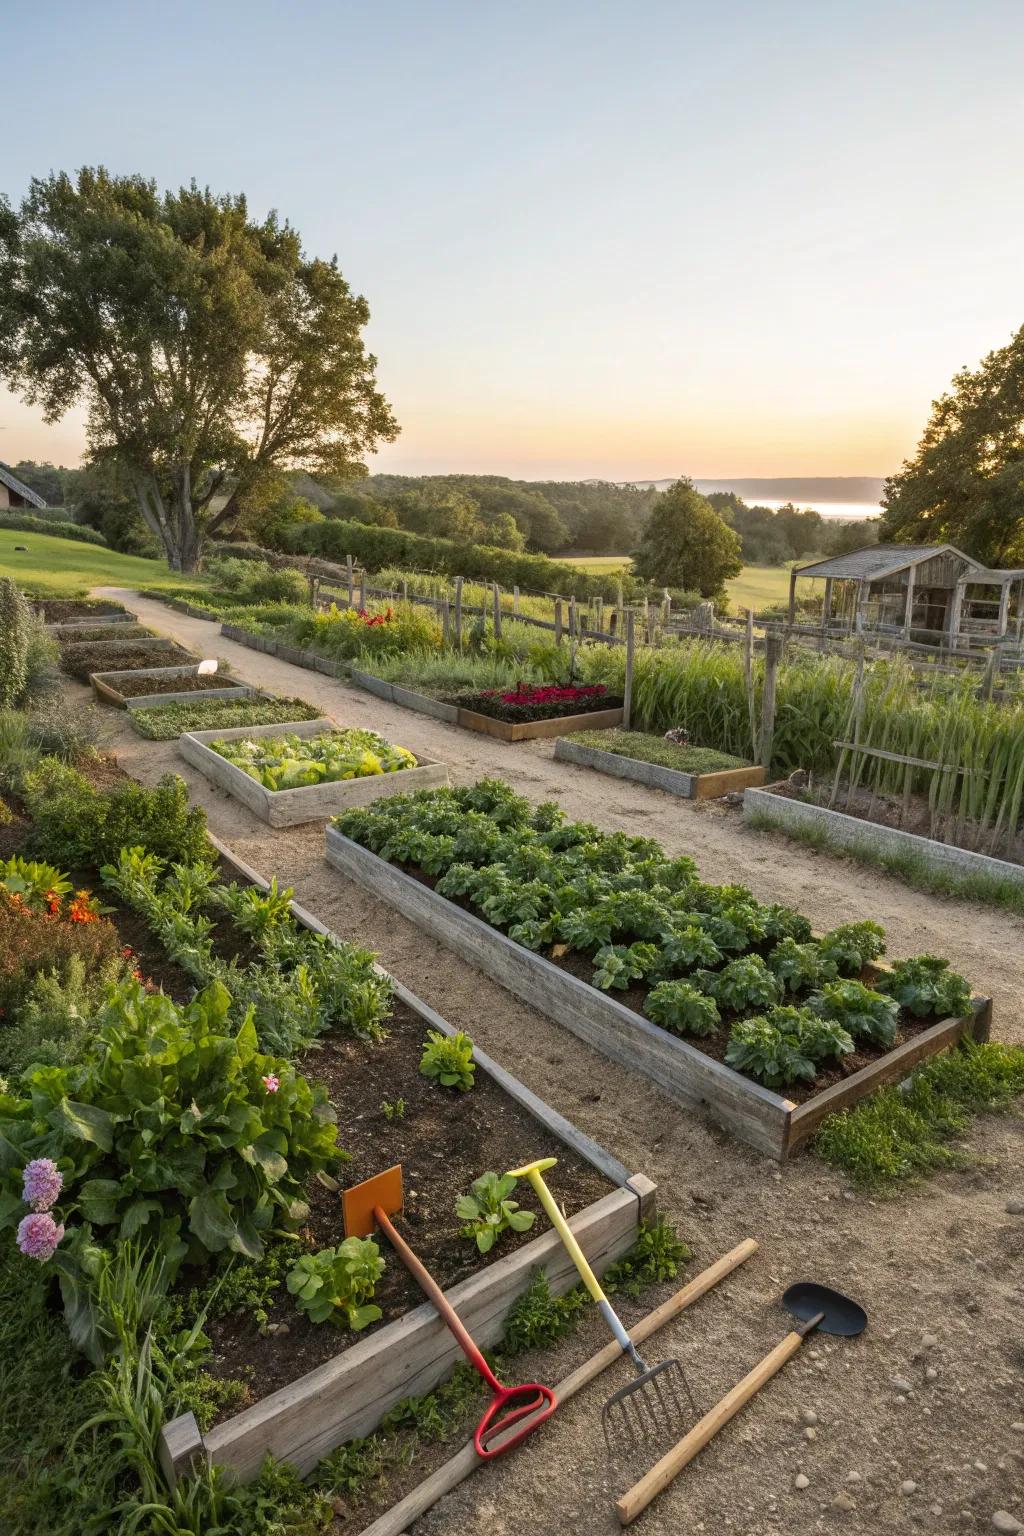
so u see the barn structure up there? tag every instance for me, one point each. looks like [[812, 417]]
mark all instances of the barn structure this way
[[932, 592], [15, 495]]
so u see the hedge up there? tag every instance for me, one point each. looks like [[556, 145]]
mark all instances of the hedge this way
[[374, 548], [23, 523]]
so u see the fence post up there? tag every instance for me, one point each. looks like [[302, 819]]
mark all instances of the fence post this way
[[515, 601], [599, 614], [445, 621], [496, 596], [558, 621], [348, 568], [572, 617], [458, 612], [405, 590], [362, 590], [772, 652], [627, 687], [666, 610]]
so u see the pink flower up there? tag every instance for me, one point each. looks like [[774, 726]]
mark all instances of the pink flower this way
[[38, 1235], [41, 1183], [271, 1083]]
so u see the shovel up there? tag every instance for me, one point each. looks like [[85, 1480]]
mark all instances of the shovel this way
[[649, 1409], [817, 1308], [513, 1412]]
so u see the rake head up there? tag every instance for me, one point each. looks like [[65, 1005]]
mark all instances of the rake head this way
[[655, 1409]]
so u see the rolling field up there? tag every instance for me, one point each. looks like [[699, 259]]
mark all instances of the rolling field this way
[[55, 567], [755, 586]]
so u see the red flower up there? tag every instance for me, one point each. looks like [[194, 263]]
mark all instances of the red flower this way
[[551, 694]]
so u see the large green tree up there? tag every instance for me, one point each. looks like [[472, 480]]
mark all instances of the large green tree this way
[[209, 349], [965, 484], [686, 544]]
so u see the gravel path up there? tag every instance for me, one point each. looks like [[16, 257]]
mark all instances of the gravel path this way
[[932, 1395]]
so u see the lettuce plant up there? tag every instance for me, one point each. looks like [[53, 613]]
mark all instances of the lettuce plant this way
[[449, 1059], [488, 1211], [864, 1014], [761, 1050], [799, 967], [686, 947], [616, 965], [682, 1008], [176, 1128], [852, 946], [742, 984], [926, 987], [336, 1285]]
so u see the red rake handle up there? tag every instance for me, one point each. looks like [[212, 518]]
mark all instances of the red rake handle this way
[[527, 1405]]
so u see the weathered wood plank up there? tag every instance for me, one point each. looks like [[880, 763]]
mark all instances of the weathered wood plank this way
[[754, 1114], [674, 781], [532, 730]]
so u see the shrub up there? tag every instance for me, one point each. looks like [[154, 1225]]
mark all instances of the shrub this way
[[35, 943], [79, 825], [174, 1129], [53, 528], [54, 1017], [15, 629]]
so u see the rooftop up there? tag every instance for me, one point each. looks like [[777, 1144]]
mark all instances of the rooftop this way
[[10, 479]]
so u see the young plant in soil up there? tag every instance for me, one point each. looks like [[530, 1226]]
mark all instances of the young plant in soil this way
[[449, 1060], [336, 1285], [488, 1210]]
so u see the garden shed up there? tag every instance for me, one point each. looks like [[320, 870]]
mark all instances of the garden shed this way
[[924, 591], [15, 495]]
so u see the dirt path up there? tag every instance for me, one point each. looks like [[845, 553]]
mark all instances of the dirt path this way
[[932, 1395]]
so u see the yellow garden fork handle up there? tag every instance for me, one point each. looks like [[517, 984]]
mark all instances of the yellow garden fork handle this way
[[533, 1172]]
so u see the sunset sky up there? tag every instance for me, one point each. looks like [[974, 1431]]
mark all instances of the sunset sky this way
[[631, 239]]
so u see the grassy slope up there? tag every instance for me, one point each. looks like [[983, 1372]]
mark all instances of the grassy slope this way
[[56, 567], [755, 586]]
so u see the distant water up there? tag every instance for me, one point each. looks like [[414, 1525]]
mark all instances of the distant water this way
[[826, 508]]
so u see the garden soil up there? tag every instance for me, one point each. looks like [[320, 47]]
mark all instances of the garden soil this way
[[916, 1426]]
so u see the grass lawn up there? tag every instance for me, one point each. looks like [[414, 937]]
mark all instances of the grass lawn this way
[[757, 585], [600, 565], [57, 567], [646, 748]]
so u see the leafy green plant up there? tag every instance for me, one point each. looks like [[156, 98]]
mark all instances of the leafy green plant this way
[[169, 721], [926, 987], [294, 762], [616, 965], [15, 627], [337, 1284], [174, 1128], [852, 946], [393, 1109], [33, 882], [864, 1014], [799, 967], [79, 825], [256, 912], [488, 1211], [656, 1256], [687, 947], [537, 1319], [449, 1060], [760, 1049], [682, 1008], [744, 983]]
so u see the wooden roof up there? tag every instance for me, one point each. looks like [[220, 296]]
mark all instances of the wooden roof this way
[[8, 478], [877, 561]]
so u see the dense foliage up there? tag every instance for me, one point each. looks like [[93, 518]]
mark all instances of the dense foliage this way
[[687, 544], [15, 626], [293, 762], [708, 960], [168, 721]]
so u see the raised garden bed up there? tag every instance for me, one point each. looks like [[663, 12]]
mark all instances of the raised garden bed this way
[[164, 722], [471, 720], [439, 709], [83, 610], [145, 688], [356, 1378], [776, 806], [313, 802], [118, 630], [268, 646], [601, 751], [113, 656], [690, 1073]]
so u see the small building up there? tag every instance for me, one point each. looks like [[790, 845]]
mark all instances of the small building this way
[[15, 495], [932, 592]]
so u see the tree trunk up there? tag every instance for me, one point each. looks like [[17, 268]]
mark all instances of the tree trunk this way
[[172, 518]]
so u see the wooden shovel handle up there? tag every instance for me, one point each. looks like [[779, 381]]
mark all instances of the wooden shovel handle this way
[[661, 1474]]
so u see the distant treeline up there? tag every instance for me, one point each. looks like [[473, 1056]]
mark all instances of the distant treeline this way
[[520, 517]]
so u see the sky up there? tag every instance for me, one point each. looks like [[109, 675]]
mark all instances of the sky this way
[[627, 240]]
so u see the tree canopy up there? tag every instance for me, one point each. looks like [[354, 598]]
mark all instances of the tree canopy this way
[[686, 544], [965, 484], [209, 349]]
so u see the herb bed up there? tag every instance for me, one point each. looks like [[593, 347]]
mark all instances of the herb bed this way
[[659, 764]]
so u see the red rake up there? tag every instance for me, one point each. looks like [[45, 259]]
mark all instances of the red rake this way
[[370, 1205]]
